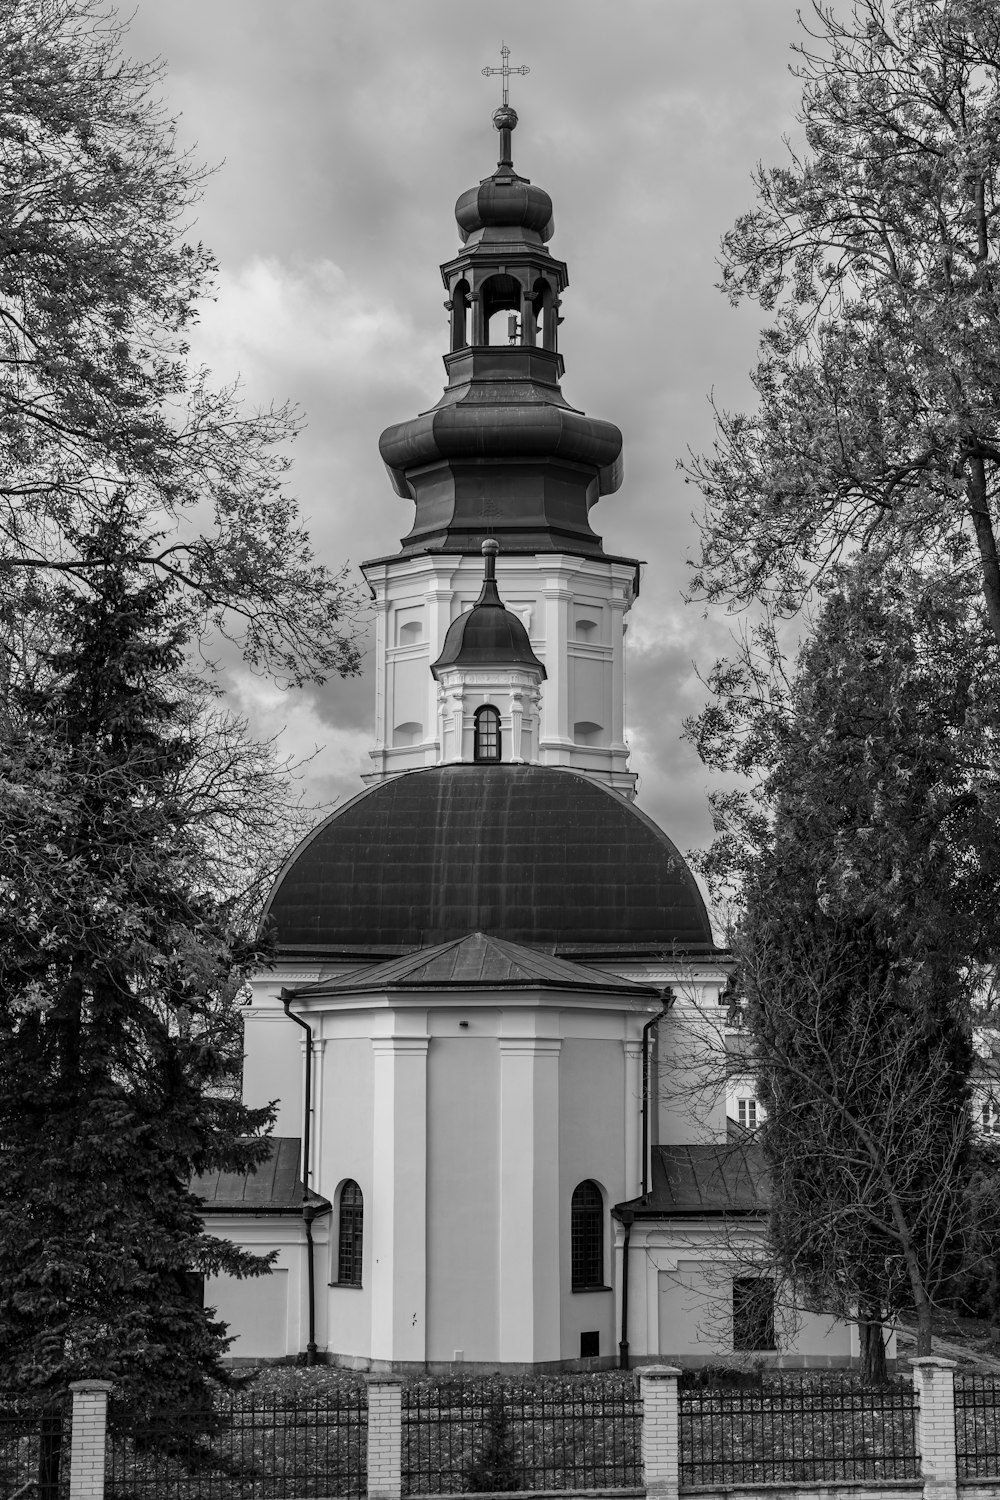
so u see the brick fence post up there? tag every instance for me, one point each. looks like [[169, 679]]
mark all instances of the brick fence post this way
[[385, 1437], [660, 1430], [934, 1384], [90, 1419]]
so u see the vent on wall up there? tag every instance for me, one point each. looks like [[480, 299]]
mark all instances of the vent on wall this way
[[590, 1344]]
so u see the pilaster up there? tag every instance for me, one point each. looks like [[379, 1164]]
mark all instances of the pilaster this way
[[399, 1192], [529, 1199], [632, 1106]]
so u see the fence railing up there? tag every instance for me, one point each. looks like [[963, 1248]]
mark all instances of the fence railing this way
[[34, 1448], [809, 1430], [395, 1438], [547, 1434], [977, 1426], [262, 1448]]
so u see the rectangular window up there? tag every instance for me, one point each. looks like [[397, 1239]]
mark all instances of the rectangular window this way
[[747, 1113], [991, 1117], [753, 1313]]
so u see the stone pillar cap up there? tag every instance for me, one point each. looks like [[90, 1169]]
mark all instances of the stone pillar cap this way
[[91, 1385]]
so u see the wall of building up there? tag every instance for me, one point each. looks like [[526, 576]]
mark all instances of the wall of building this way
[[573, 609], [591, 1146], [462, 1188], [266, 1314]]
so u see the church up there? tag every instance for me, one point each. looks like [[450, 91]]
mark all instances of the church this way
[[497, 1023]]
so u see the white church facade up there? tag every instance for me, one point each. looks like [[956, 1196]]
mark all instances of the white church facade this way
[[496, 1023]]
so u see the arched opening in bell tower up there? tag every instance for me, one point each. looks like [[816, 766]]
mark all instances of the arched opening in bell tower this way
[[501, 299], [460, 305], [543, 306]]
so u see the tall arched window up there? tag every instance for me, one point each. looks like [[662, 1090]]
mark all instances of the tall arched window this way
[[486, 734], [586, 1235], [350, 1236]]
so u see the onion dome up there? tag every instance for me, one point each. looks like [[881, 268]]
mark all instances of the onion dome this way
[[487, 634], [505, 205], [536, 855]]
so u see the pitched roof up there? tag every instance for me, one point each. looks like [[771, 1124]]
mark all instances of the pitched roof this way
[[476, 961], [274, 1187], [705, 1181]]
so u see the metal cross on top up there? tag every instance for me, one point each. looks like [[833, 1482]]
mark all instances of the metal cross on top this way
[[505, 70]]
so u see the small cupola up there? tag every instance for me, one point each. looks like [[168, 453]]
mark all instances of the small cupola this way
[[489, 680], [487, 635]]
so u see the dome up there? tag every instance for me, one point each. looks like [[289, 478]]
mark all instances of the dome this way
[[531, 854], [507, 202], [487, 635]]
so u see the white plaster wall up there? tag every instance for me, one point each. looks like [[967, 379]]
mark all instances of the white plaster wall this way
[[273, 1066], [258, 1309], [266, 1314], [462, 1187], [689, 1068], [548, 591], [591, 1145], [695, 1318], [345, 1152]]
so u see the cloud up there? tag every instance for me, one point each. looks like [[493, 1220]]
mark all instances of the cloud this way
[[284, 326]]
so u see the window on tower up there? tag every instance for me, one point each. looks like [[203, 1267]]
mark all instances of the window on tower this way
[[586, 1232], [486, 738]]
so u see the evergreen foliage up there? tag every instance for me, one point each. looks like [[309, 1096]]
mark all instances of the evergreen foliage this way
[[871, 906], [143, 514], [115, 961]]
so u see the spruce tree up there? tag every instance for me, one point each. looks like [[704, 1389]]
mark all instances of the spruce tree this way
[[115, 961]]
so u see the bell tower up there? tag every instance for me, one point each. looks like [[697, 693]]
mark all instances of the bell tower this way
[[503, 459]]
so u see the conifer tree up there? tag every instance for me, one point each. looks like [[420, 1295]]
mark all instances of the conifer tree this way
[[870, 904], [115, 957]]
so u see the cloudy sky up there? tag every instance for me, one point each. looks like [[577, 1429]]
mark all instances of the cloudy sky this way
[[344, 131]]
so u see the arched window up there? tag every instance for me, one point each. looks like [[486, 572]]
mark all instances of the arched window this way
[[486, 735], [350, 1237], [586, 1237]]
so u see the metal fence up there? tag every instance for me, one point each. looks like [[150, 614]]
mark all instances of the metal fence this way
[[468, 1436], [806, 1429], [34, 1448], [264, 1448], [977, 1426]]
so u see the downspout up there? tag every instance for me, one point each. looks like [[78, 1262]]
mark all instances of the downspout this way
[[667, 998], [308, 1209], [627, 1217]]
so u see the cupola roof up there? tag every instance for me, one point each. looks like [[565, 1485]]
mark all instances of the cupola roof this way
[[503, 427], [534, 855], [487, 634], [505, 205]]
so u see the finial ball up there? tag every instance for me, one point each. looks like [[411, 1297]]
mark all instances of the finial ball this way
[[504, 118], [490, 546]]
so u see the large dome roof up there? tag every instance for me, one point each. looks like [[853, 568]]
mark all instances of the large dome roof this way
[[532, 854]]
